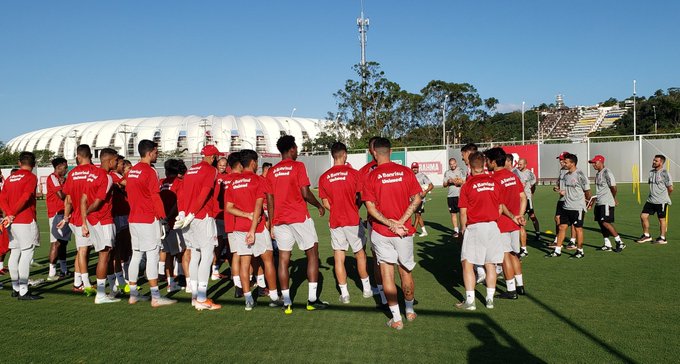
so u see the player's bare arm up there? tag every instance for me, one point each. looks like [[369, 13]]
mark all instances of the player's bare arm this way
[[326, 204], [239, 213], [83, 213], [415, 202], [463, 219], [311, 199]]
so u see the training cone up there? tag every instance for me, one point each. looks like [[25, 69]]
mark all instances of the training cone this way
[[549, 232]]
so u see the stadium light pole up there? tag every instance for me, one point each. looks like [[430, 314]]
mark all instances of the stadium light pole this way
[[634, 113], [446, 98], [655, 124], [522, 122]]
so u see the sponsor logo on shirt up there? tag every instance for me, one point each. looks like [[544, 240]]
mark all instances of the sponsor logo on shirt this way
[[15, 177], [240, 183], [392, 177], [80, 175], [483, 186], [337, 176], [134, 173], [507, 182], [283, 171], [193, 170]]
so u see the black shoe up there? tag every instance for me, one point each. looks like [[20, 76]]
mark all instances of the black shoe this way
[[238, 292], [509, 295], [181, 280], [553, 254], [619, 247], [15, 294], [316, 305], [523, 253], [29, 297], [520, 291], [579, 254]]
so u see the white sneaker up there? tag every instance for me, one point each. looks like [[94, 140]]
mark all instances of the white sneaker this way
[[344, 299], [173, 288], [52, 278], [423, 234], [481, 278], [489, 302], [187, 289], [250, 305], [368, 294], [137, 298], [105, 299], [215, 277], [162, 301]]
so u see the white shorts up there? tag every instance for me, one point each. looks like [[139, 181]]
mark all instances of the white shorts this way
[[262, 243], [220, 228], [173, 243], [102, 236], [121, 223], [344, 237], [304, 233], [481, 244], [201, 234], [145, 237], [24, 236], [393, 250], [510, 241], [81, 241], [63, 234]]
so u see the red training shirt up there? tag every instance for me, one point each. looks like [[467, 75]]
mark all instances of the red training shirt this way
[[286, 179], [511, 187], [218, 202], [480, 195], [55, 205], [243, 193], [143, 190], [76, 185], [18, 196], [229, 219], [100, 184], [199, 184], [339, 185], [120, 205]]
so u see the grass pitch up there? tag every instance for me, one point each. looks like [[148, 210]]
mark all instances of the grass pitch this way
[[606, 307]]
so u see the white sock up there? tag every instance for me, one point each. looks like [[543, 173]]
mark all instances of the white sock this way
[[237, 281], [15, 285], [273, 295], [77, 279], [286, 297], [311, 296], [23, 289], [194, 289], [202, 292], [617, 239], [480, 271], [519, 280], [662, 237], [248, 296], [161, 268], [62, 265], [558, 249], [396, 315], [499, 269], [455, 230], [216, 269], [366, 284], [580, 250], [120, 278], [607, 242], [155, 292], [510, 284], [2, 266], [646, 235], [171, 281], [101, 287], [409, 306], [423, 229], [469, 296], [261, 282], [343, 290], [133, 290], [490, 292], [572, 240], [86, 279], [383, 299], [112, 282], [53, 270]]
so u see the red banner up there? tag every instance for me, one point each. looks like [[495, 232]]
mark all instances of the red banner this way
[[528, 152]]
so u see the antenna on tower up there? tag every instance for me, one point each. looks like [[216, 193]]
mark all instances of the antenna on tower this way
[[363, 23]]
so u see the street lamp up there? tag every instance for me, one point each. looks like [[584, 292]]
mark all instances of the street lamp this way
[[522, 122], [446, 98], [655, 125], [634, 113]]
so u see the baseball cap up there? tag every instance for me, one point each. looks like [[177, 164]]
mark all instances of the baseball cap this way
[[597, 158], [209, 150], [414, 165], [562, 155]]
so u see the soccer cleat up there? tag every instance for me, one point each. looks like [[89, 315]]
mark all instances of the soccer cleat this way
[[520, 291], [126, 289], [137, 298], [316, 305], [606, 248], [173, 288], [90, 291], [238, 292], [523, 253], [466, 306], [105, 299], [216, 277], [620, 247], [276, 303], [162, 301], [208, 304], [489, 302], [288, 309], [187, 289], [571, 246], [262, 291], [579, 254], [552, 245], [481, 278], [411, 316], [343, 299], [368, 294], [78, 289], [455, 235], [553, 254], [15, 294], [644, 239], [53, 278], [660, 241], [115, 294], [35, 282], [509, 295], [423, 234], [397, 325], [29, 297], [250, 304]]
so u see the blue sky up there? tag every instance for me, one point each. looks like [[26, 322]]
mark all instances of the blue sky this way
[[63, 62]]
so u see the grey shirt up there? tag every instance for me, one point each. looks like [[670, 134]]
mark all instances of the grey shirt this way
[[575, 185], [659, 181], [528, 179], [454, 191], [604, 179], [422, 179], [560, 182]]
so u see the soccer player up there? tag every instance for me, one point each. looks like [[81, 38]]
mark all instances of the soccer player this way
[[454, 178], [392, 194], [480, 208], [55, 213], [513, 198], [219, 204], [287, 203], [95, 207], [17, 201], [244, 200], [146, 226], [660, 189], [576, 192], [560, 204], [120, 209], [465, 152], [605, 202], [199, 228], [338, 188], [426, 186], [173, 244], [528, 179], [75, 187], [234, 162], [265, 170]]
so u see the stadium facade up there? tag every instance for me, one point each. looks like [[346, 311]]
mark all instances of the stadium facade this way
[[186, 134]]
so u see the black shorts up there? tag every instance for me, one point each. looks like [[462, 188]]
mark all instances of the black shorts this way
[[604, 213], [421, 208], [655, 208], [530, 206], [559, 208], [453, 204], [572, 217]]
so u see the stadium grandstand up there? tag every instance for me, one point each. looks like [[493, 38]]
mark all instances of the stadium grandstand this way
[[577, 123]]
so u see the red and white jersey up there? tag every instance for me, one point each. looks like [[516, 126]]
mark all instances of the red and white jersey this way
[[100, 184], [286, 179], [481, 196], [119, 199], [229, 219], [364, 172], [339, 185], [199, 188], [390, 187], [55, 205], [244, 192], [75, 186], [143, 189], [511, 187], [18, 196], [218, 203]]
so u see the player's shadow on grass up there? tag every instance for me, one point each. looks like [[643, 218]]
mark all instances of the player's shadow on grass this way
[[350, 268], [623, 236], [442, 260], [493, 351]]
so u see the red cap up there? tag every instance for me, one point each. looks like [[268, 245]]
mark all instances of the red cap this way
[[414, 165], [209, 150], [597, 158], [562, 155]]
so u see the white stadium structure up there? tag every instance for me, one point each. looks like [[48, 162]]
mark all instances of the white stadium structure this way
[[172, 133]]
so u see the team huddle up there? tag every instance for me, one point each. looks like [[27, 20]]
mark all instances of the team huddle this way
[[181, 229]]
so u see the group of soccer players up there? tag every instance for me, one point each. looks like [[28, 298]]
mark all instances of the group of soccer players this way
[[183, 227]]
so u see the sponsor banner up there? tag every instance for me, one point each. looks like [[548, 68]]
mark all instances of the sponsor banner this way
[[528, 152]]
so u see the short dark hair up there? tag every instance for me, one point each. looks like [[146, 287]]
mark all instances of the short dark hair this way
[[107, 151], [382, 143], [476, 160], [285, 143], [247, 155], [84, 150], [27, 159], [662, 157], [120, 158], [337, 148], [266, 165], [497, 155], [571, 157], [372, 140], [172, 167], [510, 158], [145, 147], [58, 161], [233, 158], [127, 162], [470, 147]]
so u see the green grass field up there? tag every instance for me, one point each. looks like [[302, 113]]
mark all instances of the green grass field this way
[[606, 307]]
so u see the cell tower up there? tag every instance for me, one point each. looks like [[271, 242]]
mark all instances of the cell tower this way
[[363, 23]]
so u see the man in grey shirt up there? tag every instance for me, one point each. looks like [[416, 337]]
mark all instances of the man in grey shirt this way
[[528, 179], [560, 205], [660, 189], [576, 191], [454, 177], [427, 186], [605, 202]]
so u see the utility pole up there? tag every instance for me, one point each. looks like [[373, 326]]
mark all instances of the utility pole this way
[[363, 23], [634, 112], [126, 141], [204, 124]]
